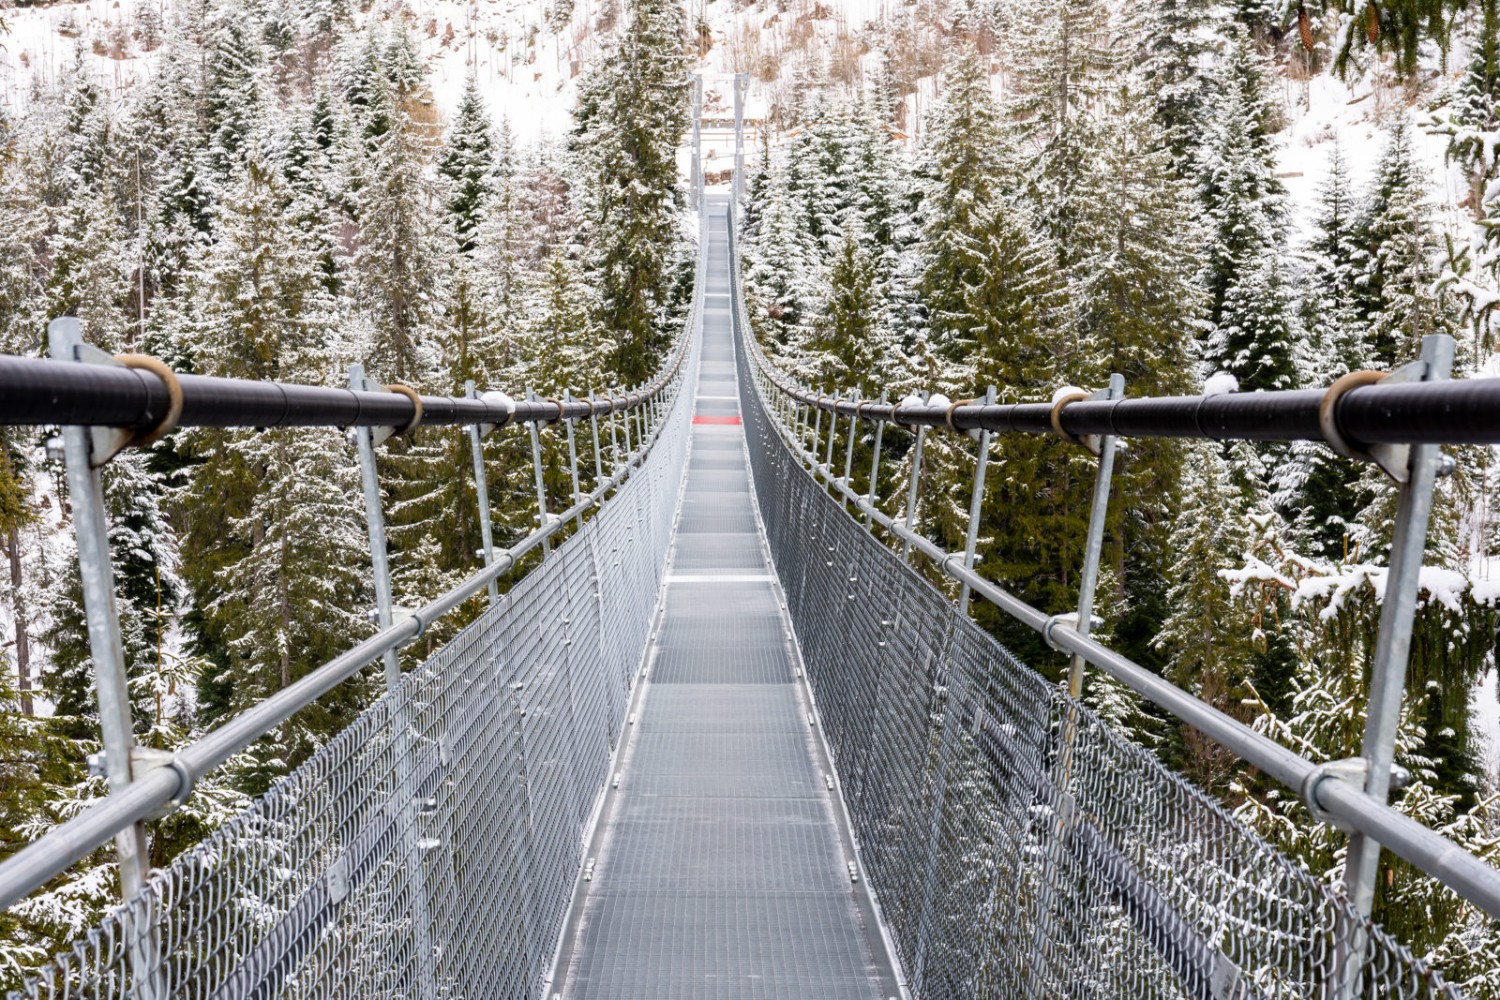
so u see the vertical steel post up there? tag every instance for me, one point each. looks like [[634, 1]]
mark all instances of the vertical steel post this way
[[696, 90], [976, 500], [1094, 542], [112, 687], [833, 433], [482, 491], [541, 485], [573, 458], [594, 431], [817, 430], [385, 615], [913, 486], [614, 436], [1392, 649], [625, 419], [741, 87], [849, 451], [875, 469]]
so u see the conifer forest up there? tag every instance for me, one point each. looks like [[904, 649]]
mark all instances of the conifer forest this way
[[941, 196]]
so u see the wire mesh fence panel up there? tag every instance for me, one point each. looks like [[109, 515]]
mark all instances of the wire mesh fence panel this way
[[1017, 846], [429, 849]]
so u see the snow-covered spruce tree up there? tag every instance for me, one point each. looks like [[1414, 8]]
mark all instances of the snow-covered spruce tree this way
[[148, 592], [843, 349], [1334, 615], [1398, 294], [468, 165], [233, 92], [1136, 309], [1316, 487], [37, 764], [784, 272], [90, 273], [1245, 267], [1064, 62], [274, 534], [1471, 120], [1207, 636], [1176, 42], [397, 264], [631, 113]]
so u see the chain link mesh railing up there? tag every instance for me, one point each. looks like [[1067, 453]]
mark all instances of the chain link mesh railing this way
[[448, 819], [1018, 847]]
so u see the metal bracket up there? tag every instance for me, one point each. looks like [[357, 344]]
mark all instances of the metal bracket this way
[[497, 399], [1352, 771], [1067, 620], [144, 760], [1393, 459], [1095, 442]]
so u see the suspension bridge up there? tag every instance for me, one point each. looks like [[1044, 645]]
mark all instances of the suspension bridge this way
[[724, 740]]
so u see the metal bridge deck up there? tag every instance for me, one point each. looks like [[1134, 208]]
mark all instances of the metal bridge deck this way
[[721, 863]]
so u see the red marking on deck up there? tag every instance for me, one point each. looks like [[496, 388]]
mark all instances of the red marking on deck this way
[[701, 419]]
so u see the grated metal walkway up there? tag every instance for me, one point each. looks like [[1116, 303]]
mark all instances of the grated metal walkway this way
[[722, 860]]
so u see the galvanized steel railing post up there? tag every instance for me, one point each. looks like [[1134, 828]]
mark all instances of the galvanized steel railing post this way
[[541, 485], [1094, 542], [385, 615], [875, 469], [96, 573], [849, 451], [482, 492], [594, 431], [913, 487], [741, 86], [629, 448], [817, 431], [976, 501], [1392, 651], [573, 460], [833, 433], [614, 439]]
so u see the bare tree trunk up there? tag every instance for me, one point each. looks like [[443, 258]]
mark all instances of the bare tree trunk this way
[[23, 637]]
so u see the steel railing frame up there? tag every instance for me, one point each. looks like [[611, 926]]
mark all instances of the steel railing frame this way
[[81, 395], [1471, 407]]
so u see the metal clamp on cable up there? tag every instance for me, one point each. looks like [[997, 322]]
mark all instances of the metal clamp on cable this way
[[952, 407], [168, 421], [1352, 771], [500, 399], [1060, 404], [144, 760], [1067, 620], [1393, 459], [416, 402], [1327, 422]]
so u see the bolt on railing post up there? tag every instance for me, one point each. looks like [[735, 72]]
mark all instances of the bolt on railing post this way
[[1392, 649], [1094, 542], [875, 469], [106, 648], [573, 459], [385, 615], [482, 492], [849, 451], [976, 500], [541, 485]]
